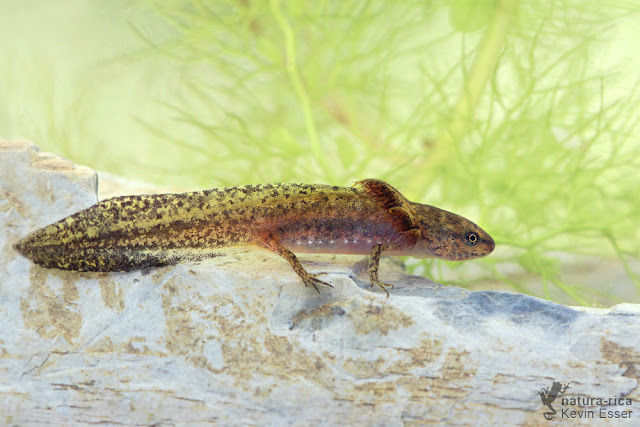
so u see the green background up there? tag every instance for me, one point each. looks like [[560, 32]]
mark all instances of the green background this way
[[519, 115]]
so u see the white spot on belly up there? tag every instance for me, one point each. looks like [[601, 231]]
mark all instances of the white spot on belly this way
[[368, 240], [355, 241], [299, 242], [346, 241], [310, 242], [331, 242]]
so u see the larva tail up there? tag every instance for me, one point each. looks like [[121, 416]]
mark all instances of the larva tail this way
[[114, 235], [94, 259]]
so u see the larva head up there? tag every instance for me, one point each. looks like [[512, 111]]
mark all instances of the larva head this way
[[446, 235]]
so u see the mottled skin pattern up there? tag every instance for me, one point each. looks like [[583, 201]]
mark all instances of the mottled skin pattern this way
[[135, 232]]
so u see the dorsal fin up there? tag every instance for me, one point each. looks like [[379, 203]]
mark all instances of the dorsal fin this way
[[400, 211]]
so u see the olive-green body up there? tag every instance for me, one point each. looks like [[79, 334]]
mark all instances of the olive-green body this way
[[133, 232]]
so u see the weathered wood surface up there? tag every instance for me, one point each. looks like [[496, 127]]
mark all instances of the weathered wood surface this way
[[241, 341]]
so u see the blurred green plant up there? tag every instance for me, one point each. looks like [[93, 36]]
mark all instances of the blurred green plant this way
[[505, 111], [493, 109]]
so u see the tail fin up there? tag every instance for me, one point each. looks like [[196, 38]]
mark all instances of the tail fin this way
[[97, 259]]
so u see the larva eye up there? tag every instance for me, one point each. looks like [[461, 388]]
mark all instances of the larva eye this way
[[472, 238]]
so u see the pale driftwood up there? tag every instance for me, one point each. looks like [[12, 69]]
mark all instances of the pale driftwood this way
[[241, 341]]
